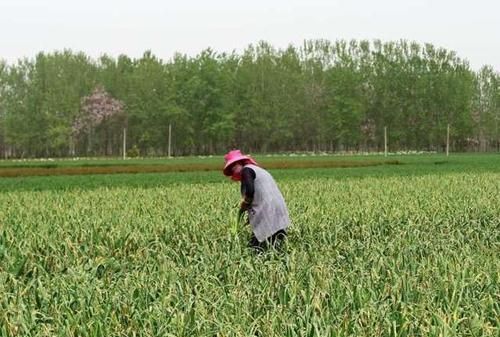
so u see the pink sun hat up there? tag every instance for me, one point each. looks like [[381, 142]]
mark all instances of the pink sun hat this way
[[232, 157]]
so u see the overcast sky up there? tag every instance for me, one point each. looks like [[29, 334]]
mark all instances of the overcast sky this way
[[471, 28]]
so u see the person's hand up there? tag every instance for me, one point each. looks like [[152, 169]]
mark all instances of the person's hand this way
[[244, 205]]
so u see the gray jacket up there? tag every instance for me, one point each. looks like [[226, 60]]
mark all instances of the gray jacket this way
[[268, 212]]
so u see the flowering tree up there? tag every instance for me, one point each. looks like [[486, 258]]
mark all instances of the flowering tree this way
[[99, 110]]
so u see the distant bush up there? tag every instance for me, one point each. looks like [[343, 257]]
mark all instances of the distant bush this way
[[133, 152]]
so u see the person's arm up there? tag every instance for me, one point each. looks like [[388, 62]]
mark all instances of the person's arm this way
[[247, 188]]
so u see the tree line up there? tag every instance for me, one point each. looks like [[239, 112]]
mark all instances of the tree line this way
[[320, 96]]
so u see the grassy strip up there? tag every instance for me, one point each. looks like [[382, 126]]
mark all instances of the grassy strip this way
[[181, 167], [412, 166], [175, 161]]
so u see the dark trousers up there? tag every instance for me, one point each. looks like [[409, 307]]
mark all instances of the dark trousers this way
[[272, 241]]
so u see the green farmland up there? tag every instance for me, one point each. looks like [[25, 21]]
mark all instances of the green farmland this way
[[397, 246]]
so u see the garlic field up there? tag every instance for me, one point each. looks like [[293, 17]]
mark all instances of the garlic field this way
[[370, 256]]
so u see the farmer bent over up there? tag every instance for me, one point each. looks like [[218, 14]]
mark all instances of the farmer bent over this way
[[261, 198]]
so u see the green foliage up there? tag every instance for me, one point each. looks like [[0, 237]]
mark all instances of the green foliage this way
[[321, 96], [378, 256], [133, 152]]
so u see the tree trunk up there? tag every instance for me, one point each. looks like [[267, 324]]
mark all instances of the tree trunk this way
[[89, 142]]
